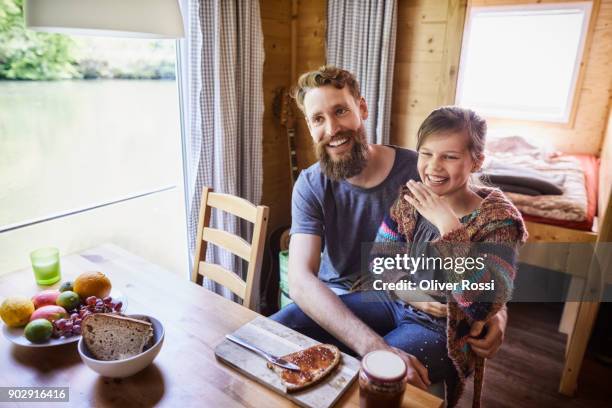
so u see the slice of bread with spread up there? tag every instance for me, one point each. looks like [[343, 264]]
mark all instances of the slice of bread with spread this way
[[111, 337], [315, 363]]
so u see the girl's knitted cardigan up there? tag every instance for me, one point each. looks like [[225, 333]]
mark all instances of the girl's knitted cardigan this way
[[496, 223]]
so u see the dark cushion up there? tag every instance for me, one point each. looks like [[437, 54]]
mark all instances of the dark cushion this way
[[528, 181]]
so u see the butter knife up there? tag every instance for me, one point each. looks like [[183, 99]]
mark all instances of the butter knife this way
[[271, 358]]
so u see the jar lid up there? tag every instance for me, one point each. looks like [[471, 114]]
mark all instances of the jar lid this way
[[384, 365]]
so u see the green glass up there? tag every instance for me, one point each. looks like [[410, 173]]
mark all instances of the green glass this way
[[46, 265]]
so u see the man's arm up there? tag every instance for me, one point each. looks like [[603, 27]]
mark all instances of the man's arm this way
[[324, 307], [317, 300]]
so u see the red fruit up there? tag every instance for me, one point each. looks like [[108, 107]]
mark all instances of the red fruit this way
[[44, 298], [49, 312]]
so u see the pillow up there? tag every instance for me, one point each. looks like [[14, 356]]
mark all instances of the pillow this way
[[508, 175]]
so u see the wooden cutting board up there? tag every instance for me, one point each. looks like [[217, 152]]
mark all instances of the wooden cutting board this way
[[279, 340]]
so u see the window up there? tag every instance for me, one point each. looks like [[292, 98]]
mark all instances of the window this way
[[90, 145], [522, 62]]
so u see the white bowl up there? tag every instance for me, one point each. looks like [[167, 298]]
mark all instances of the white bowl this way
[[128, 366]]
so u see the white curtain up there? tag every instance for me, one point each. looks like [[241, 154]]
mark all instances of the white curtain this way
[[361, 38], [221, 91]]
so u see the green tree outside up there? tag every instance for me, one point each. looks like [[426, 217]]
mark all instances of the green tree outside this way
[[30, 55]]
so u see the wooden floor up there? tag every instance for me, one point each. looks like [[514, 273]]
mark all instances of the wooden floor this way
[[527, 369]]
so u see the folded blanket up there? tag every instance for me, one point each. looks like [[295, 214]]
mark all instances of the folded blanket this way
[[522, 180], [509, 188]]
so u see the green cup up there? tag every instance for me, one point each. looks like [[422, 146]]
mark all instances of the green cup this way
[[46, 265]]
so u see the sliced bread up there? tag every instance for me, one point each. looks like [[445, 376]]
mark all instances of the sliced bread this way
[[112, 337], [315, 363]]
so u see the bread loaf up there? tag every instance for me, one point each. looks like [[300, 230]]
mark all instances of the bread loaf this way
[[112, 337]]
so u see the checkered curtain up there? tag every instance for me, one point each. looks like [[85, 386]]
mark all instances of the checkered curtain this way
[[222, 96], [361, 38]]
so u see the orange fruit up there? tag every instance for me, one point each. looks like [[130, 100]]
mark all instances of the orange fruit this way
[[15, 311], [92, 284]]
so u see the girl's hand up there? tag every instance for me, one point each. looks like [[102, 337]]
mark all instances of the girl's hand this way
[[434, 308], [433, 207], [492, 341], [422, 301]]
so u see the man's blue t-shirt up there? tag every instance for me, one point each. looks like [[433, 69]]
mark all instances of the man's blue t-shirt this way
[[344, 215]]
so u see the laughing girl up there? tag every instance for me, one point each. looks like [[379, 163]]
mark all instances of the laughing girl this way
[[447, 215]]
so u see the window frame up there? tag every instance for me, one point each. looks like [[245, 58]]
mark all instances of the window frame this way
[[567, 120]]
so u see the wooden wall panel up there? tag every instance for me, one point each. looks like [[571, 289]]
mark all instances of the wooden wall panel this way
[[311, 34], [451, 54], [276, 16], [426, 61], [605, 171], [276, 26], [424, 42]]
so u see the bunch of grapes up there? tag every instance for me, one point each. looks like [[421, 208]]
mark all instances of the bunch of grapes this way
[[72, 326], [67, 327], [97, 305]]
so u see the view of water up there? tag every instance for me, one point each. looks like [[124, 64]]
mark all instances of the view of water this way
[[67, 145]]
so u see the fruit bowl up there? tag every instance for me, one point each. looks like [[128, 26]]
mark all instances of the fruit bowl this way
[[16, 334], [129, 366]]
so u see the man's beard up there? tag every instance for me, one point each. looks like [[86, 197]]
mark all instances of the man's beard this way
[[352, 163]]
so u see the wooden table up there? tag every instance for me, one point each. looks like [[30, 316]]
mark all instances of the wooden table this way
[[185, 373]]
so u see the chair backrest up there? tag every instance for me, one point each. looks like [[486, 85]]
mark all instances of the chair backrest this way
[[247, 290]]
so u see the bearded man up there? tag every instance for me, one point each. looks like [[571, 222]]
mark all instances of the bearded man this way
[[338, 204]]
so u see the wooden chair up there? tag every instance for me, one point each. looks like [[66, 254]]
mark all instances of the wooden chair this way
[[252, 253]]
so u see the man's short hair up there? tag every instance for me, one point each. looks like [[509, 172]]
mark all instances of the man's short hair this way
[[325, 75]]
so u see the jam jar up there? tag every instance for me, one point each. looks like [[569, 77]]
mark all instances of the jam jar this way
[[381, 380]]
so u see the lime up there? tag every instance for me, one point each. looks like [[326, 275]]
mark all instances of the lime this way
[[16, 311], [66, 286], [68, 300], [38, 331]]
